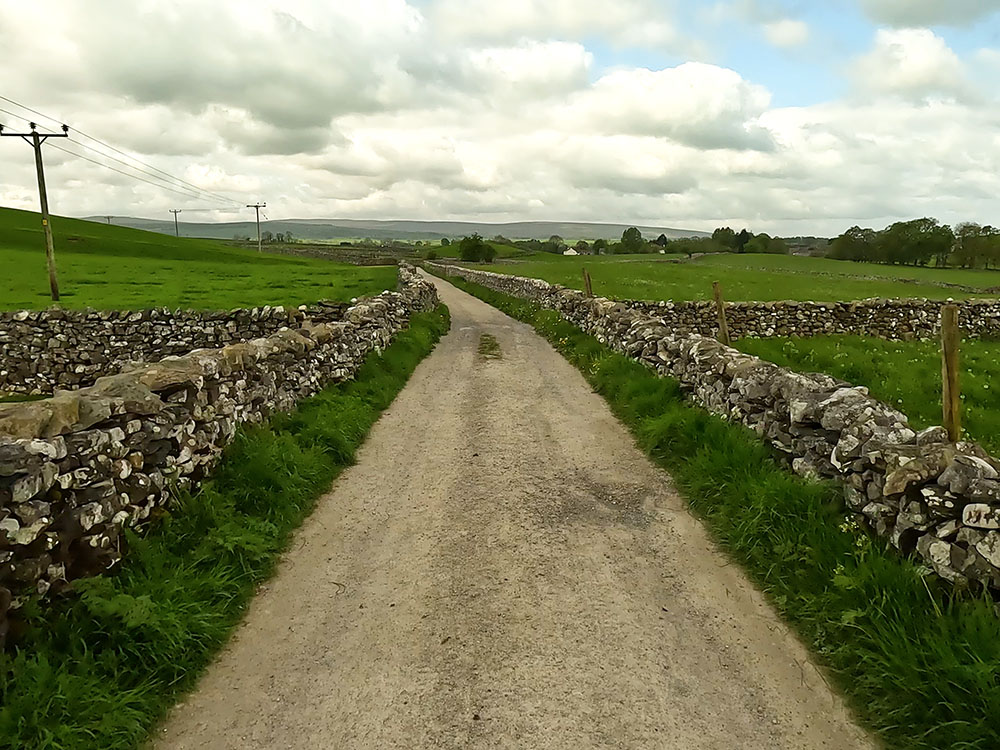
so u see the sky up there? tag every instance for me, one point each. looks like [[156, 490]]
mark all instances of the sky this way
[[785, 116]]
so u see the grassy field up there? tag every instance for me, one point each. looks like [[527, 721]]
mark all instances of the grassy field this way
[[917, 661], [906, 375], [119, 268], [751, 277], [96, 671]]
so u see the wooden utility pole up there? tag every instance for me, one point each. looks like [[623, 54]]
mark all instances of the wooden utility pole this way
[[36, 140], [257, 207], [587, 285], [175, 211], [109, 218], [720, 309], [951, 405]]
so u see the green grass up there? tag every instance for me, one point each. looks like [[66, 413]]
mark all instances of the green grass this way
[[98, 670], [113, 267], [749, 277], [906, 375], [918, 663]]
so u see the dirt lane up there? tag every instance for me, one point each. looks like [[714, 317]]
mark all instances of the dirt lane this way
[[503, 568]]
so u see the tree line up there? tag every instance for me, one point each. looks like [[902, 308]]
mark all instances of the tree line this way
[[920, 242], [723, 240]]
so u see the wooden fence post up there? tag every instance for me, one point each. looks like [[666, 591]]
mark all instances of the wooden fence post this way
[[586, 283], [720, 308], [951, 404]]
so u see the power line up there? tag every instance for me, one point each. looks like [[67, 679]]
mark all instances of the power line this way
[[203, 193], [214, 195], [134, 177]]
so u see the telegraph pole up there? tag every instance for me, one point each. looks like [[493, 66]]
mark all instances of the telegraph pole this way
[[109, 218], [175, 211], [257, 207], [36, 139]]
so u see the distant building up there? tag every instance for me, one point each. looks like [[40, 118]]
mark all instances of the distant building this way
[[570, 251]]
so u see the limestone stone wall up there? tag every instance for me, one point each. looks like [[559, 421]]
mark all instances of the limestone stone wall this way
[[45, 350], [936, 499], [77, 468], [905, 319]]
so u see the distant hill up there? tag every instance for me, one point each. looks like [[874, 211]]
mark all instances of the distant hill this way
[[344, 229]]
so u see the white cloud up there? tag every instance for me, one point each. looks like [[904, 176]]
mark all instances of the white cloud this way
[[647, 23], [910, 13], [696, 104], [913, 63], [477, 109], [786, 33]]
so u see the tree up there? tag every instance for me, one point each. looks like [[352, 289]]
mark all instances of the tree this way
[[632, 241], [475, 249], [279, 237], [976, 246], [582, 247], [915, 242], [765, 243], [661, 240], [725, 236], [445, 242], [289, 237], [742, 239], [600, 247], [855, 244], [266, 236]]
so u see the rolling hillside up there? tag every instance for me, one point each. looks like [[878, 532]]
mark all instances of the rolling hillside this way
[[105, 266], [332, 229]]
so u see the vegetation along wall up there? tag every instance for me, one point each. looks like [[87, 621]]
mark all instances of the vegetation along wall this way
[[937, 499], [48, 349], [77, 468]]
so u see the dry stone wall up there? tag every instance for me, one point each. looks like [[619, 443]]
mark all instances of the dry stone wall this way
[[43, 350], [892, 319], [77, 468], [936, 499]]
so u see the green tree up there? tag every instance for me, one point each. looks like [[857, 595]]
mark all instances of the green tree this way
[[600, 247], [475, 249], [661, 240], [765, 243], [445, 242], [632, 241], [855, 244], [726, 237], [742, 239], [582, 247]]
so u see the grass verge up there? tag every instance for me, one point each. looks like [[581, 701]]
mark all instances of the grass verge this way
[[918, 663], [98, 670]]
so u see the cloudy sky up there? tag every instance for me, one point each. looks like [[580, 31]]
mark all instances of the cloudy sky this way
[[788, 116]]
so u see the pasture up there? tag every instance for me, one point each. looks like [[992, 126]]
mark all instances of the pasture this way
[[751, 277], [112, 267]]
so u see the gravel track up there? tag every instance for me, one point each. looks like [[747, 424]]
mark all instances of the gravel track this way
[[503, 568]]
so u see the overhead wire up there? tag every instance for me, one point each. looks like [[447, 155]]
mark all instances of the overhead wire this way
[[133, 176], [180, 183]]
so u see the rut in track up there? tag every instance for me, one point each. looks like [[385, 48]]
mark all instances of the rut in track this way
[[503, 568]]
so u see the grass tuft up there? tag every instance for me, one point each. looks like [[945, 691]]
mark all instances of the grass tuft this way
[[99, 669], [919, 663]]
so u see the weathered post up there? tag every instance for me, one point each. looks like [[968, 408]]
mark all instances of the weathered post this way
[[720, 309], [950, 391], [587, 285]]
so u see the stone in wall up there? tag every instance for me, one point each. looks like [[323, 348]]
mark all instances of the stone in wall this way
[[45, 350], [78, 468], [935, 499]]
